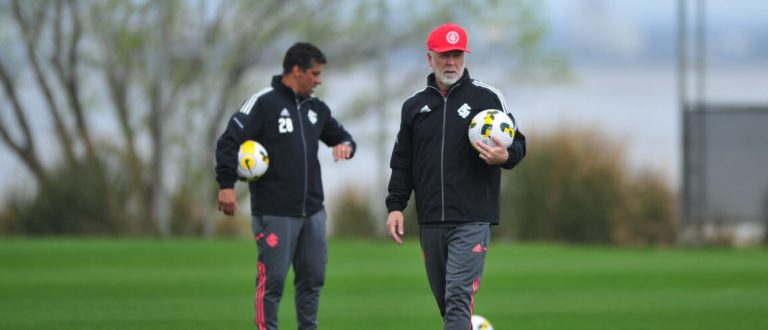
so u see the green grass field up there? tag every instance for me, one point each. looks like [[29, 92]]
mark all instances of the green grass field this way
[[196, 284]]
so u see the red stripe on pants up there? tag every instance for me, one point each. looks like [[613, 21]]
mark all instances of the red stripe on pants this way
[[261, 284], [475, 287]]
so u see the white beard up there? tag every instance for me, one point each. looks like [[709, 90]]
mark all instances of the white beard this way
[[441, 76], [448, 81]]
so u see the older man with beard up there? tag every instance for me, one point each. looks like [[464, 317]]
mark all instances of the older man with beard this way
[[456, 187]]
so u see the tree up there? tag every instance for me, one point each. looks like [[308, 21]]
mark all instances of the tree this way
[[140, 89]]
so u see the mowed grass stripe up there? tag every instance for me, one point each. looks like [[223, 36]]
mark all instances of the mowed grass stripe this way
[[209, 284]]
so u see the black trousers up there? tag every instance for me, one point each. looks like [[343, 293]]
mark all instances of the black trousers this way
[[454, 257], [282, 242]]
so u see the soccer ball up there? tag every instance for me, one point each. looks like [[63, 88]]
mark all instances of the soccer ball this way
[[252, 161], [489, 123], [480, 323]]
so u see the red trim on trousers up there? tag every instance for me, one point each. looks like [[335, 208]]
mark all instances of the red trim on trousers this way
[[475, 287], [261, 284]]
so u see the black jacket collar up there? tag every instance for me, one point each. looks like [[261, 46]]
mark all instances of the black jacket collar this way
[[277, 84]]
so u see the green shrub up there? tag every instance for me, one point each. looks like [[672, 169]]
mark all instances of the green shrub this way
[[78, 200], [649, 213], [352, 213], [574, 186]]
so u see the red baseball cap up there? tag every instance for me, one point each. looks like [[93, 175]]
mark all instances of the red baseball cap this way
[[447, 37]]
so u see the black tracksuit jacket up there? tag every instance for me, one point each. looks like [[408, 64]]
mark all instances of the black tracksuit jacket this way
[[289, 127], [434, 158]]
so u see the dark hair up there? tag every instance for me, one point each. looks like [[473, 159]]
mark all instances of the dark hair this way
[[303, 54]]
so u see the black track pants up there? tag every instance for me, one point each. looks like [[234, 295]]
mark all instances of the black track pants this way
[[454, 258], [282, 242]]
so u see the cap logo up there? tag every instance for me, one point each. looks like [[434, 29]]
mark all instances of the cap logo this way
[[452, 37]]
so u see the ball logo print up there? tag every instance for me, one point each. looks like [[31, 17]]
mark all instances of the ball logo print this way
[[452, 37], [485, 130], [491, 123], [252, 161]]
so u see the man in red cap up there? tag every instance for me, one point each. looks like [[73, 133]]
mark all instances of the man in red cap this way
[[457, 192]]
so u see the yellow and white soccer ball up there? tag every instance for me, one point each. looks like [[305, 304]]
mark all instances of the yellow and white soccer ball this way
[[480, 323], [491, 122], [252, 161]]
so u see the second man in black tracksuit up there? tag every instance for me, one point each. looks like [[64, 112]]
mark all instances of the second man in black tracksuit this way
[[288, 218]]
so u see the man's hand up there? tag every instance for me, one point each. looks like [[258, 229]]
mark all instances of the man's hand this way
[[228, 201], [342, 151], [495, 155], [395, 226]]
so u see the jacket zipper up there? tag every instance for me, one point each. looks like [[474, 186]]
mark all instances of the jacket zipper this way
[[442, 151], [304, 146]]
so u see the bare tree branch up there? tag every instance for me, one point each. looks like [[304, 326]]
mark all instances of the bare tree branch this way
[[117, 73], [66, 72], [30, 38], [25, 149]]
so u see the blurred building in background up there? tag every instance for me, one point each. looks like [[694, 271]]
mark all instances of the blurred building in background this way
[[725, 154], [726, 181]]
